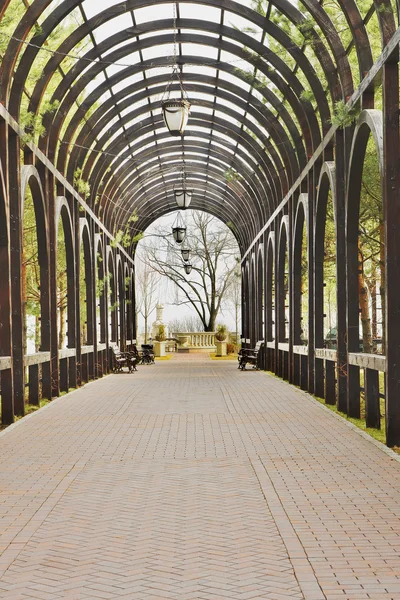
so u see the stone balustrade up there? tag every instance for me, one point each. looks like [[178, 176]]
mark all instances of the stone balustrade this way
[[200, 341]]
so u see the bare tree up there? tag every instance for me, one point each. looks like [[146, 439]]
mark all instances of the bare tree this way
[[187, 323], [146, 286], [234, 296], [213, 252]]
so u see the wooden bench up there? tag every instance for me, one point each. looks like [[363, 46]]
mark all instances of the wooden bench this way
[[123, 359], [249, 356]]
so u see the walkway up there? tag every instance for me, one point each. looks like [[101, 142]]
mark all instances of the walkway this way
[[191, 480]]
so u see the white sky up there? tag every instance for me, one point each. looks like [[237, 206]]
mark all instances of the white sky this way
[[165, 293]]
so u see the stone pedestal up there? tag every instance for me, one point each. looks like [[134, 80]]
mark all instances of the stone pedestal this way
[[159, 348], [221, 348]]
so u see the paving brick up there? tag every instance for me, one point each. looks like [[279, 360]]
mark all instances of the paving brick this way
[[191, 480]]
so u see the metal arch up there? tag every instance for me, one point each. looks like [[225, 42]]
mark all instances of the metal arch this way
[[61, 203], [203, 188], [62, 11], [171, 179], [288, 161], [370, 121], [192, 147], [240, 238], [332, 38], [215, 125], [216, 205], [272, 181], [97, 121], [387, 25], [4, 211], [205, 204], [327, 180], [267, 120], [54, 123], [303, 110], [192, 166], [300, 220], [359, 33], [212, 175], [84, 227], [247, 143], [303, 200], [111, 188], [286, 8], [30, 177], [232, 6]]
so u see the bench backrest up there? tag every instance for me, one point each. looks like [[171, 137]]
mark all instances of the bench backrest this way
[[258, 345], [114, 348]]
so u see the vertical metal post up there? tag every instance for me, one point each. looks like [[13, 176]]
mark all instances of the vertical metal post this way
[[391, 202]]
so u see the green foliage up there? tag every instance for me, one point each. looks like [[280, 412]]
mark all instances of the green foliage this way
[[82, 186], [343, 116], [232, 175], [385, 9], [33, 123], [306, 27], [258, 6], [114, 306], [307, 96], [138, 237], [221, 332]]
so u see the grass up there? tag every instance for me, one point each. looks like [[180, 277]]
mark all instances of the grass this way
[[378, 434], [228, 357]]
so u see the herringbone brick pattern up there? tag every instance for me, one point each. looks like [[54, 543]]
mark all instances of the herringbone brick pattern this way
[[191, 480]]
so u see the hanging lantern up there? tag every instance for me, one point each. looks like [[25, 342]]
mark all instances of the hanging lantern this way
[[185, 251], [179, 229], [188, 268], [185, 254], [176, 114], [183, 197]]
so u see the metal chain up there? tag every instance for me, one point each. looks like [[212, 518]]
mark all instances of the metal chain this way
[[175, 32]]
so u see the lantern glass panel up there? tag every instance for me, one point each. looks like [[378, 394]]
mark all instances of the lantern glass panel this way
[[185, 254], [176, 115], [183, 197], [187, 268], [179, 234]]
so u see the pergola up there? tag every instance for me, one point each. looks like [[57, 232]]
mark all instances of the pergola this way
[[267, 147]]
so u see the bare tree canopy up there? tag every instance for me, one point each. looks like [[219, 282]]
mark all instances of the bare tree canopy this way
[[214, 257], [146, 286]]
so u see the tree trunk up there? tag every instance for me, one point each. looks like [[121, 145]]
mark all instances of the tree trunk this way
[[23, 293], [37, 333], [364, 307], [382, 286], [61, 330], [145, 328], [374, 321]]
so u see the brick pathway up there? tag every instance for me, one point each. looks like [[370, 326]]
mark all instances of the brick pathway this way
[[191, 480]]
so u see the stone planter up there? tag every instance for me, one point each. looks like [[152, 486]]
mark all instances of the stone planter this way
[[221, 348], [159, 348], [183, 340]]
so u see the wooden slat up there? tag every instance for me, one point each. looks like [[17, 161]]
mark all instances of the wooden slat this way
[[36, 359], [375, 362], [5, 363]]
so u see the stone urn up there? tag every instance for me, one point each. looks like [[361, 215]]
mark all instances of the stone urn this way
[[183, 339]]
